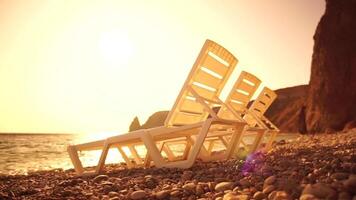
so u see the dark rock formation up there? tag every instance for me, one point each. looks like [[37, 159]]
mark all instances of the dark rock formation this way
[[135, 125], [287, 111], [156, 119], [332, 93]]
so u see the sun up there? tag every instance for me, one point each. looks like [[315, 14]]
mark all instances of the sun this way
[[115, 47]]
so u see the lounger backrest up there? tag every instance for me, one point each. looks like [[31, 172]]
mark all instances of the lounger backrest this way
[[240, 95], [260, 105], [207, 78]]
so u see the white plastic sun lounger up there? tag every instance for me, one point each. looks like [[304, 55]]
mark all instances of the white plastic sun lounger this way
[[256, 120], [232, 109], [187, 119], [258, 124], [235, 108]]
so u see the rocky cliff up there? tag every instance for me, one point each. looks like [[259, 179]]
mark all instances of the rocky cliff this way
[[331, 101], [288, 110]]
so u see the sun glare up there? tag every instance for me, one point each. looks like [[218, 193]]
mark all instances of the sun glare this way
[[115, 47]]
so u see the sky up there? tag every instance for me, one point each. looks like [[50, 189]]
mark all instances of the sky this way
[[92, 66]]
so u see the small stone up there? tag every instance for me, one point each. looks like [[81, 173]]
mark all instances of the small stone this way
[[280, 195], [270, 180], [105, 197], [139, 194], [113, 194], [268, 189], [307, 197], [259, 195], [199, 190], [340, 176], [350, 184], [190, 187], [272, 194], [244, 182], [231, 196], [100, 178], [221, 187], [175, 193], [162, 194], [67, 193], [319, 190], [344, 196], [187, 175]]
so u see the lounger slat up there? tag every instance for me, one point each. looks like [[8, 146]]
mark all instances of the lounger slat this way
[[207, 79], [236, 96], [247, 88], [186, 118], [203, 92], [263, 101], [214, 65], [238, 107], [191, 106]]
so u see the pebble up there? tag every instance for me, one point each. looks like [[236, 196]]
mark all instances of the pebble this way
[[259, 195], [244, 182], [190, 187], [113, 194], [268, 189], [350, 184], [319, 190], [308, 197], [100, 178], [340, 176], [162, 194], [221, 187], [270, 180], [139, 194], [175, 193], [231, 196], [279, 195]]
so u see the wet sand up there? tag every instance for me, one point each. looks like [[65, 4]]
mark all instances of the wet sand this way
[[311, 167]]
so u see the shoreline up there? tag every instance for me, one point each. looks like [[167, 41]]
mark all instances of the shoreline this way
[[319, 166]]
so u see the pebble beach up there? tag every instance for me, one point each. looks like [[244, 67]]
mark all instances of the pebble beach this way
[[321, 166]]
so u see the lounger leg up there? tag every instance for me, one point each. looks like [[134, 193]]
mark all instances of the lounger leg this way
[[203, 154], [187, 148], [148, 159], [198, 145], [257, 141], [126, 158], [168, 151], [73, 154], [135, 154], [234, 141], [211, 146], [102, 159], [272, 137], [152, 149]]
